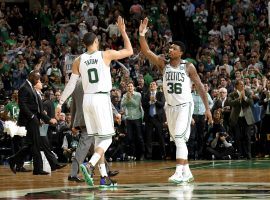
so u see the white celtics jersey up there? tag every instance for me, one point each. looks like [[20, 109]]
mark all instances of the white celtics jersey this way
[[177, 85], [96, 76]]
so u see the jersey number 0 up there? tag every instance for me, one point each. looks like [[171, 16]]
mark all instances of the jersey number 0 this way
[[93, 75]]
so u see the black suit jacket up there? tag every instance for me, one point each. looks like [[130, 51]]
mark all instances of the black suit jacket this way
[[29, 105], [218, 104], [159, 106], [49, 107]]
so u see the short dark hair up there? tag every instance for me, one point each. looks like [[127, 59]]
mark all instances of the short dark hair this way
[[47, 94], [89, 38], [34, 77], [180, 44]]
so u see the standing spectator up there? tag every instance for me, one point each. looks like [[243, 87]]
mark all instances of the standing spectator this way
[[58, 14], [50, 110], [241, 118], [198, 117], [46, 21], [153, 105], [19, 75], [112, 29], [265, 128], [34, 21], [91, 20], [226, 29], [131, 105]]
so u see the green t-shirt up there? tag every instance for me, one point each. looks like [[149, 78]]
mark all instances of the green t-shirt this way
[[5, 68], [148, 79], [13, 110]]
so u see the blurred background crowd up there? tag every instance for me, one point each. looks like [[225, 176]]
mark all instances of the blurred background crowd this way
[[227, 41]]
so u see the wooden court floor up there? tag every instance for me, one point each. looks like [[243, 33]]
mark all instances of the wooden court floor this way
[[241, 179]]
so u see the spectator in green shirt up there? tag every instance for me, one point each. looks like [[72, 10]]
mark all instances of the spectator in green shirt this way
[[131, 105], [12, 108]]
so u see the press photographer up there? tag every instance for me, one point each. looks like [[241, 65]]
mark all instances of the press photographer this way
[[221, 146]]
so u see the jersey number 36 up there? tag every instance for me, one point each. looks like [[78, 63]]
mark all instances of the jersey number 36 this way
[[174, 88]]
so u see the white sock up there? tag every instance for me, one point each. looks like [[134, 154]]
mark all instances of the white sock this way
[[102, 170], [94, 159], [186, 169], [179, 169]]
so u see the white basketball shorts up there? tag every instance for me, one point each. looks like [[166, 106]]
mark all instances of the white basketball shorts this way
[[179, 120]]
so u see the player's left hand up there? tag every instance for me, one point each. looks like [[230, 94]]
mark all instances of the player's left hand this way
[[208, 116]]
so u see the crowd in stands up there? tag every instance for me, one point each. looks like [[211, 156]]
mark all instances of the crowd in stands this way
[[227, 41]]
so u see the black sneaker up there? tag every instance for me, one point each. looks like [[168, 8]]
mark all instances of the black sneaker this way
[[75, 178], [113, 173]]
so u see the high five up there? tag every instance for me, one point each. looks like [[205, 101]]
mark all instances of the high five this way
[[178, 76]]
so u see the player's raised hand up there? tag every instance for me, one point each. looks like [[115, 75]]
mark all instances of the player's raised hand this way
[[143, 27], [121, 24]]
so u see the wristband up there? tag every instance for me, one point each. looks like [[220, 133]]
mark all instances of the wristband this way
[[60, 102], [143, 32]]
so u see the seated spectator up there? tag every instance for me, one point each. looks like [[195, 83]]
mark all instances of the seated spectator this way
[[220, 143], [221, 146], [70, 144]]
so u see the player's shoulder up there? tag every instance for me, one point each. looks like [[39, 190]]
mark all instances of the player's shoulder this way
[[78, 58], [189, 65]]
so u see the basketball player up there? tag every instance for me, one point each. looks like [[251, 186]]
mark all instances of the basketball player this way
[[178, 76], [93, 67]]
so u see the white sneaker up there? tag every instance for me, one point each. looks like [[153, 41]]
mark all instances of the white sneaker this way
[[176, 178], [188, 178]]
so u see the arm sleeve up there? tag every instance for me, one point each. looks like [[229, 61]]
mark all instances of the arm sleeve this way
[[69, 88]]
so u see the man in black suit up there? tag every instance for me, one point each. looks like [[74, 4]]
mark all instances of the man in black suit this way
[[31, 112], [153, 104], [50, 110]]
